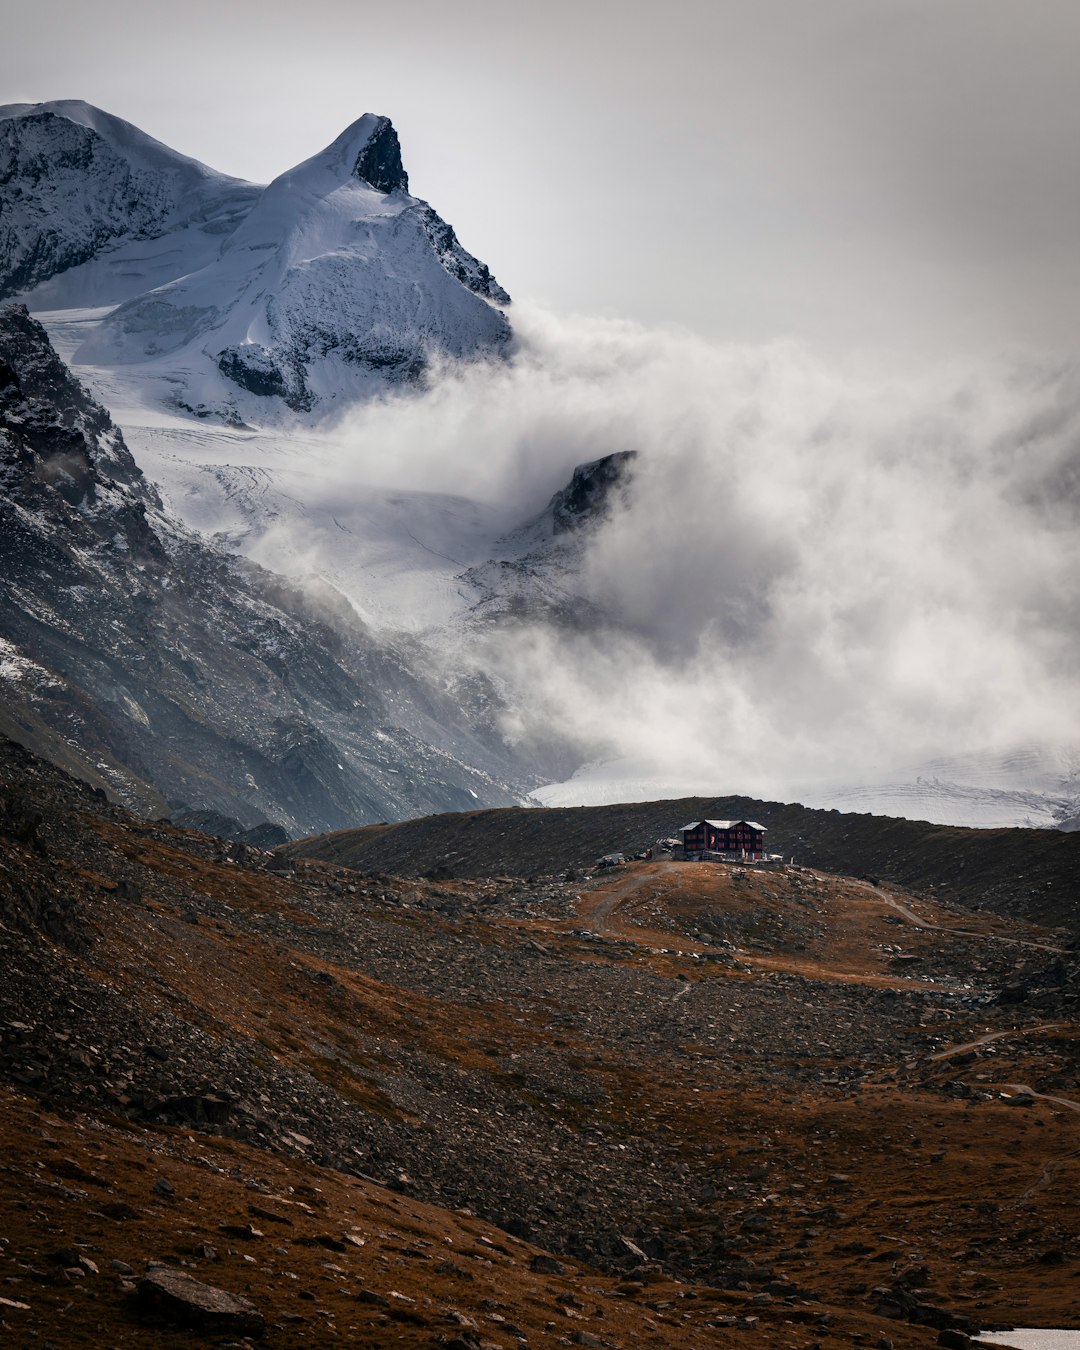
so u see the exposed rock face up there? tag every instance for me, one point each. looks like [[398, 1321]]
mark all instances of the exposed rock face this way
[[536, 575], [253, 368], [587, 497], [57, 436], [264, 836], [75, 182], [379, 161], [473, 274], [173, 675], [47, 224]]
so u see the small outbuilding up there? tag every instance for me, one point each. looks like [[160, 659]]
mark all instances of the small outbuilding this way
[[734, 839]]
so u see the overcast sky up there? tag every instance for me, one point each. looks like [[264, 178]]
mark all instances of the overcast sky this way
[[869, 175]]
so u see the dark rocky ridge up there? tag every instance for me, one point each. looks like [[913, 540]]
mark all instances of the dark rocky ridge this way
[[587, 498], [40, 148], [173, 675], [57, 437], [470, 271], [264, 836], [1029, 873]]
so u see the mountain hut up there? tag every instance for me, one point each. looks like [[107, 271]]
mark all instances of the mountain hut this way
[[735, 840]]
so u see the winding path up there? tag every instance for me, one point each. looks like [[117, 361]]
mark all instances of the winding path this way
[[995, 1036], [598, 907], [913, 918], [1051, 1168]]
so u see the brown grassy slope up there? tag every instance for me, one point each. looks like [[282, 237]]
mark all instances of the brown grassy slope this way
[[1030, 873], [782, 1132], [343, 1261]]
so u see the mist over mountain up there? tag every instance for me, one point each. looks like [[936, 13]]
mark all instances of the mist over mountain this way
[[798, 580], [815, 584]]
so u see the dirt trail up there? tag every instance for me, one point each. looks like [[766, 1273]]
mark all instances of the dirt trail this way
[[1046, 1178], [913, 918], [1022, 1089], [605, 911], [621, 907], [1048, 1174], [995, 1036], [598, 906], [657, 904]]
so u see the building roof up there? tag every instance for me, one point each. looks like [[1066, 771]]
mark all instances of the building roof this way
[[723, 825]]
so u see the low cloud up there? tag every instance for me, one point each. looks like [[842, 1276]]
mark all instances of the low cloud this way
[[815, 574]]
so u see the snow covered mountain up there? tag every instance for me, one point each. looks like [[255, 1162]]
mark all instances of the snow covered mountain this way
[[533, 572], [330, 284], [1034, 788]]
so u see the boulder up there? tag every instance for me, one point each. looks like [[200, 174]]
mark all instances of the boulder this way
[[179, 1298]]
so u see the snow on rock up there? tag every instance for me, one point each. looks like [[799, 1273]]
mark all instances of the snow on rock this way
[[328, 285], [157, 666], [587, 497], [534, 572], [1028, 786], [79, 186]]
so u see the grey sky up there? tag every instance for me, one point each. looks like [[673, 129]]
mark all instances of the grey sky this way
[[865, 174]]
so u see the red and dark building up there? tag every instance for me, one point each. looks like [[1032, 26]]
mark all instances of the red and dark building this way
[[732, 838]]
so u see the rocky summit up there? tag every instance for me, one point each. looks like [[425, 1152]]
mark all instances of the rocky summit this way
[[660, 1104]]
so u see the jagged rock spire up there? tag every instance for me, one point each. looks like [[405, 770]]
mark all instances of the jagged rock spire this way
[[379, 162]]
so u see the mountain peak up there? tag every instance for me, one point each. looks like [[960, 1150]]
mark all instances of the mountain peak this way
[[332, 279], [367, 151], [78, 183], [378, 161]]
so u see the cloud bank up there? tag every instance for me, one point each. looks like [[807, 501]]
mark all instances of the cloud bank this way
[[815, 574]]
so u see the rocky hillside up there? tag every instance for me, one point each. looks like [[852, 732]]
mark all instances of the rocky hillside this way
[[177, 677], [668, 1110], [1031, 873]]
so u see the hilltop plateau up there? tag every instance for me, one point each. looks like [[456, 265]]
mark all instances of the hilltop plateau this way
[[1018, 872]]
